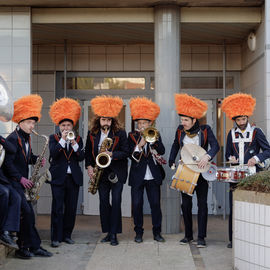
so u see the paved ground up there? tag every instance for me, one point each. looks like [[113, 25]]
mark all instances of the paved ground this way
[[89, 254]]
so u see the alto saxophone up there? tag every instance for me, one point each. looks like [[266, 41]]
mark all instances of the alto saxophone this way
[[103, 160], [37, 179]]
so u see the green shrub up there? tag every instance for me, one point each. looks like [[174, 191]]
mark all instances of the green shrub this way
[[258, 182]]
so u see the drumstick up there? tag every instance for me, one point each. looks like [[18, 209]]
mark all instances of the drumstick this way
[[194, 163], [229, 162]]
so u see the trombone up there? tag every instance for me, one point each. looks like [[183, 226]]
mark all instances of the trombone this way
[[150, 135]]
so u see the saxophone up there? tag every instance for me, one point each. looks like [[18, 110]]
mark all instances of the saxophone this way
[[37, 179], [103, 160]]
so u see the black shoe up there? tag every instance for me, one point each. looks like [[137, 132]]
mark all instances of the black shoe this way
[[41, 252], [186, 240], [201, 243], [138, 238], [24, 253], [114, 241], [159, 238], [107, 238], [229, 245], [7, 241], [55, 244], [69, 241]]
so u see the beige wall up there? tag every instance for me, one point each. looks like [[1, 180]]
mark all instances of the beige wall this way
[[253, 76], [131, 58]]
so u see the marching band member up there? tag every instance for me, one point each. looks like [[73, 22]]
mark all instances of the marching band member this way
[[244, 142], [105, 125], [10, 204], [26, 113], [65, 154], [190, 109], [145, 171]]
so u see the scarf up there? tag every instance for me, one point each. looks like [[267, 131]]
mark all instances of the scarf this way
[[193, 131]]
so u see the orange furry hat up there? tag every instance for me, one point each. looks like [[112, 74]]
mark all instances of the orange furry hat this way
[[106, 106], [190, 106], [27, 107], [238, 104], [65, 108], [143, 108]]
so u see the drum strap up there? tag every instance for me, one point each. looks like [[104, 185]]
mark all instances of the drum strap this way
[[241, 143], [179, 133]]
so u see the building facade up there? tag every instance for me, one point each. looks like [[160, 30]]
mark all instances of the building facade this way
[[137, 48]]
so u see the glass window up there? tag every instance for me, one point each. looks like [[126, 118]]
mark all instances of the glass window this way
[[205, 82], [201, 83], [107, 83]]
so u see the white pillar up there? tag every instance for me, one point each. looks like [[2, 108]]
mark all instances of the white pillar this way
[[167, 83], [15, 54], [266, 94]]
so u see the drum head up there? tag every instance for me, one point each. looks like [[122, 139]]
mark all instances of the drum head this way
[[211, 174], [192, 154]]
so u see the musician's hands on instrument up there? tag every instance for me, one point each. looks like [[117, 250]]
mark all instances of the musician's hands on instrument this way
[[109, 153], [203, 162], [141, 143], [233, 159], [172, 164], [64, 134], [43, 162], [252, 162], [73, 142], [26, 183], [90, 172]]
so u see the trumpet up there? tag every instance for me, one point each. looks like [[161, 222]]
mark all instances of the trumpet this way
[[150, 134], [71, 135]]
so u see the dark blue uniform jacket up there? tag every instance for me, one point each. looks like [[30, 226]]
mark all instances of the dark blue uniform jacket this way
[[138, 169]]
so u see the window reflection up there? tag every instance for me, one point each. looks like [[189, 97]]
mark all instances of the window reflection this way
[[201, 82], [106, 83]]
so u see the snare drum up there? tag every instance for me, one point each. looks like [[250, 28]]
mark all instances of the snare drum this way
[[184, 179], [224, 174], [231, 175], [238, 173]]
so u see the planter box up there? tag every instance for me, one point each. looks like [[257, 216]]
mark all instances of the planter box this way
[[251, 230]]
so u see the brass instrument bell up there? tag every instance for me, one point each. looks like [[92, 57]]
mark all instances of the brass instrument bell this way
[[71, 135], [150, 134]]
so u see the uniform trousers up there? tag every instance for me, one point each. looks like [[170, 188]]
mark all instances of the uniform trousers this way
[[153, 195], [232, 187], [28, 236], [64, 207], [10, 208], [201, 191], [110, 212]]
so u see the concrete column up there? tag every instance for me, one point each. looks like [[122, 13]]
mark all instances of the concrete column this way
[[167, 83]]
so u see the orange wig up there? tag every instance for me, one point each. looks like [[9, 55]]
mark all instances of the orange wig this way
[[65, 108], [27, 107], [238, 104], [143, 108], [190, 106], [106, 106]]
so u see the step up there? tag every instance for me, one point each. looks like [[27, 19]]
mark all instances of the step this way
[[4, 251]]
